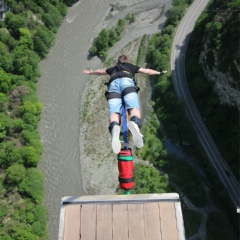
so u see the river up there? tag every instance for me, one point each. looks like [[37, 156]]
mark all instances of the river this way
[[59, 89]]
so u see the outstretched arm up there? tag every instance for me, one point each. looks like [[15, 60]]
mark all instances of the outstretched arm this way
[[149, 71], [95, 72]]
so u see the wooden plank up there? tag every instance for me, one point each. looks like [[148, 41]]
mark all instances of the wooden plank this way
[[120, 222], [168, 221], [72, 222], [152, 221], [104, 222], [136, 221], [88, 221]]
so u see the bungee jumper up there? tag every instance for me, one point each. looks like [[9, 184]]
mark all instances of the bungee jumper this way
[[122, 88], [122, 97]]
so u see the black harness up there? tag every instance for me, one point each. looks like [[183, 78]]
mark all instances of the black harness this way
[[110, 95], [121, 71]]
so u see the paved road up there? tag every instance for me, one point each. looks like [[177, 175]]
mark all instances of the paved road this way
[[180, 84]]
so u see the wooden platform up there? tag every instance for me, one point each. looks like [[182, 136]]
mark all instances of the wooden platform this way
[[126, 217]]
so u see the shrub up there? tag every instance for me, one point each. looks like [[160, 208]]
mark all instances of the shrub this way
[[15, 173], [30, 156], [32, 185], [9, 154]]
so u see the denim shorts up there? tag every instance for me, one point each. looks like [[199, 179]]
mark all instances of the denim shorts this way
[[130, 99]]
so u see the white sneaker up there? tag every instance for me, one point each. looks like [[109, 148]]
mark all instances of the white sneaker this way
[[136, 134], [116, 145]]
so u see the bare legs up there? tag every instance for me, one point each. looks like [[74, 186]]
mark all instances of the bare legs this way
[[115, 117]]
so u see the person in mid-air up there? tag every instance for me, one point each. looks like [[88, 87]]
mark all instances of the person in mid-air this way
[[122, 85]]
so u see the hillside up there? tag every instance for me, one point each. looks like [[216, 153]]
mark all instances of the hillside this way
[[220, 57], [214, 83]]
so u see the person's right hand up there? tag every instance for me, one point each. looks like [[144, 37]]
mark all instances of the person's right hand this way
[[163, 72]]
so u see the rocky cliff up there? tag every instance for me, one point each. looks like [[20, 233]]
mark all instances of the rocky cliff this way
[[220, 57]]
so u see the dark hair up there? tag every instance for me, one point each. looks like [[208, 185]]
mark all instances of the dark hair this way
[[123, 58]]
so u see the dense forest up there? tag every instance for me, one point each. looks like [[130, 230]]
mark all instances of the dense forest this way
[[220, 49], [27, 31]]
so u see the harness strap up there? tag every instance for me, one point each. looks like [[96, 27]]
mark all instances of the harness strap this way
[[110, 95], [128, 90]]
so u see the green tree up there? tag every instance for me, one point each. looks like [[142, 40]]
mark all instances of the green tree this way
[[18, 125], [11, 3], [32, 138], [18, 233], [31, 119], [169, 30], [3, 100], [234, 4], [7, 39], [6, 123], [14, 23], [2, 131], [9, 154], [19, 8], [40, 47], [25, 38], [43, 40], [32, 185], [30, 156], [15, 173], [101, 41], [214, 31], [160, 59], [131, 17], [6, 58], [30, 211], [113, 37], [153, 148], [120, 26], [163, 43], [175, 14], [3, 211], [52, 18], [26, 62], [34, 108], [62, 8], [41, 217], [5, 81], [148, 180]]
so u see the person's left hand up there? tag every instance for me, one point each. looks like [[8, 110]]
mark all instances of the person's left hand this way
[[86, 71]]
